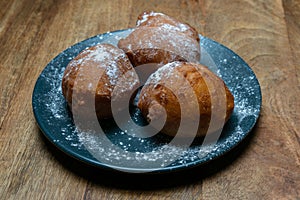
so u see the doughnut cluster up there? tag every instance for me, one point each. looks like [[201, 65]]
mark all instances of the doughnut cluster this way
[[179, 87]]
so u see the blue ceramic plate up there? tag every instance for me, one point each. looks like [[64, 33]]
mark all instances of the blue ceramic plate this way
[[55, 121]]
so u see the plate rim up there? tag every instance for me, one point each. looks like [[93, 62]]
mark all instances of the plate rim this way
[[105, 166]]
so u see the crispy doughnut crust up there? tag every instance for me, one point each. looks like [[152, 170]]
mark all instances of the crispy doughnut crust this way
[[96, 71], [161, 39], [166, 84]]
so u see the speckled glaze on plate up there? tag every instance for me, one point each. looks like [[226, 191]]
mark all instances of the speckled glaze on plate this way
[[55, 121]]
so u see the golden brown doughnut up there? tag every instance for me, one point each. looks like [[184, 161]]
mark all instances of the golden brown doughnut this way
[[161, 39], [173, 80], [96, 72]]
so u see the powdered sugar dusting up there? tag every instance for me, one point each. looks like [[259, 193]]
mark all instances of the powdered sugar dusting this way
[[166, 39], [161, 34], [180, 27], [163, 73], [153, 19], [101, 56], [146, 16]]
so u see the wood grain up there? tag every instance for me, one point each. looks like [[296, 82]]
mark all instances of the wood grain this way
[[265, 33], [292, 15], [258, 33]]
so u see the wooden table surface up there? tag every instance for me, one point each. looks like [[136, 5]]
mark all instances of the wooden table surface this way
[[265, 33]]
